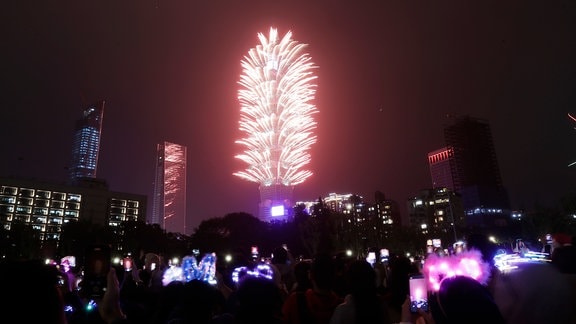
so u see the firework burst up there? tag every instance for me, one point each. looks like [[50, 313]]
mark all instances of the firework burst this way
[[276, 113]]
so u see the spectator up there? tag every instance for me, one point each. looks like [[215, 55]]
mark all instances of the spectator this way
[[302, 276], [195, 301], [168, 299], [363, 304], [534, 293], [283, 260], [150, 270], [563, 255], [400, 269], [341, 263], [35, 296], [460, 299], [259, 301], [317, 304]]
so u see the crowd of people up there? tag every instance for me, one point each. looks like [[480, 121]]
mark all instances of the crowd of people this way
[[330, 289]]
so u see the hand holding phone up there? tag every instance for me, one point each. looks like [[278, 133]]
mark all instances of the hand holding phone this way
[[418, 294], [97, 265]]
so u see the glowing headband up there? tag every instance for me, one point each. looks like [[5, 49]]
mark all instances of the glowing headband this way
[[190, 270], [468, 263], [261, 270]]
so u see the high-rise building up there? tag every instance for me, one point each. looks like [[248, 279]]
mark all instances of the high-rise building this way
[[169, 201], [468, 165], [86, 144], [475, 161]]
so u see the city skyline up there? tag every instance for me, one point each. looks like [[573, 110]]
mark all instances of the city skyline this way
[[390, 77]]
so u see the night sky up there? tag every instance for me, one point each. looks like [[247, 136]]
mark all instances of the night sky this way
[[391, 74]]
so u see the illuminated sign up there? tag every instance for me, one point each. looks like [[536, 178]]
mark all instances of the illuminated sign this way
[[277, 211]]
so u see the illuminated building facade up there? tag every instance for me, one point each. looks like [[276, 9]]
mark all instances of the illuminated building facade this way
[[338, 202], [46, 206], [438, 212], [439, 162], [169, 202], [360, 224], [86, 143]]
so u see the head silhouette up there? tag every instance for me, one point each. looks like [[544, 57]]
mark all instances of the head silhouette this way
[[462, 299]]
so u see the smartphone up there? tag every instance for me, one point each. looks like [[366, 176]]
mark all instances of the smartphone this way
[[96, 267], [254, 252], [371, 258], [127, 262], [384, 255], [418, 293]]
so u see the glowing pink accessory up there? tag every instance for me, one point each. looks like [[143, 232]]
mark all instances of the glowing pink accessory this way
[[468, 263]]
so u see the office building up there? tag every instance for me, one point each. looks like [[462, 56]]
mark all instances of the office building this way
[[169, 201], [86, 144], [47, 206]]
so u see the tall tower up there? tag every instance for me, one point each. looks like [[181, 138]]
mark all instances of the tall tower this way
[[276, 118], [475, 173], [86, 145], [169, 201]]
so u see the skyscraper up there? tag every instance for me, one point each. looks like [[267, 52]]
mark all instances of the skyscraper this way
[[475, 161], [86, 144], [471, 158], [169, 201], [276, 117]]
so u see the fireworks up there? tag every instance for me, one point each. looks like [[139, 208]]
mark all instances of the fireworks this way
[[276, 113]]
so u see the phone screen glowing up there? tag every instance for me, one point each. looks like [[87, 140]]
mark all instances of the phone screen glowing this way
[[418, 294]]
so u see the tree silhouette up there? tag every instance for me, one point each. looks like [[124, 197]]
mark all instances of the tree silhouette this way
[[233, 231]]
